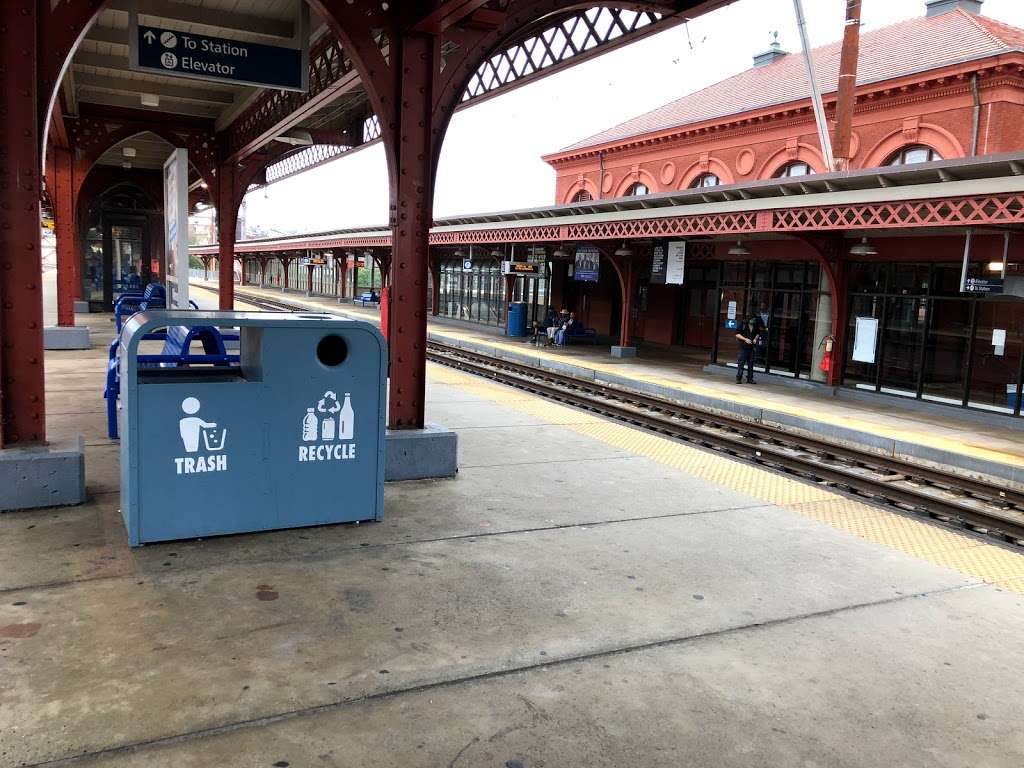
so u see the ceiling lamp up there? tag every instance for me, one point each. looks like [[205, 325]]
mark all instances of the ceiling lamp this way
[[128, 151], [559, 253], [126, 165], [739, 249], [204, 185], [150, 100], [863, 248], [297, 137], [624, 250], [496, 254]]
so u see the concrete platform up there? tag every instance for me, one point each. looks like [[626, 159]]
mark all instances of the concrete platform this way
[[582, 594], [959, 441]]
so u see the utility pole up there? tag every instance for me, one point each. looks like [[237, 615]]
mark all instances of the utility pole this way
[[847, 85], [819, 109]]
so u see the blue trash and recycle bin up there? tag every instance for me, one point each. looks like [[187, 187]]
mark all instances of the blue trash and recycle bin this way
[[288, 433], [516, 321]]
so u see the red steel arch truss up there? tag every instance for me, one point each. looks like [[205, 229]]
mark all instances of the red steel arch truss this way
[[579, 35]]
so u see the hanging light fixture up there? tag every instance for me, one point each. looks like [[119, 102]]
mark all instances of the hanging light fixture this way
[[624, 250], [559, 253], [863, 248], [739, 249], [496, 254]]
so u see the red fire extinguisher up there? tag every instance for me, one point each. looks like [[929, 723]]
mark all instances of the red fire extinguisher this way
[[826, 359]]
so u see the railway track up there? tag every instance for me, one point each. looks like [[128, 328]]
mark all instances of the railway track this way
[[951, 500]]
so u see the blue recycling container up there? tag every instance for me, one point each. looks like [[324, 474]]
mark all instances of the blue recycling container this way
[[516, 322], [288, 433], [1011, 396]]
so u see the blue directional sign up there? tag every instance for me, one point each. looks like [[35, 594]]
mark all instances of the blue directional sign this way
[[184, 54]]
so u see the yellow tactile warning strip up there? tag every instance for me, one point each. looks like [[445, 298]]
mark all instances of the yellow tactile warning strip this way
[[953, 444], [970, 556]]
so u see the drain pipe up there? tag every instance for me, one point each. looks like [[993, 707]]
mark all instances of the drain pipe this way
[[976, 125], [600, 175]]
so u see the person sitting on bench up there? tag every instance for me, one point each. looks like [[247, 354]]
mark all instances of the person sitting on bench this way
[[570, 327], [556, 324]]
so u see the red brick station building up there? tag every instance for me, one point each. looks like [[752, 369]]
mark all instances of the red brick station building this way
[[867, 261]]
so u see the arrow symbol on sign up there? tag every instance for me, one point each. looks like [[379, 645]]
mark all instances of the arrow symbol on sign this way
[[150, 37]]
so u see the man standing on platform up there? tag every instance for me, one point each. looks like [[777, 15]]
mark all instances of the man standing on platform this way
[[748, 338]]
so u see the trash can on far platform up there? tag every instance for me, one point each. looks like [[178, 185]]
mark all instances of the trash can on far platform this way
[[516, 325]]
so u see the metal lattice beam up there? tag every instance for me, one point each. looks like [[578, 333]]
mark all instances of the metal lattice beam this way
[[538, 52], [975, 211], [581, 35]]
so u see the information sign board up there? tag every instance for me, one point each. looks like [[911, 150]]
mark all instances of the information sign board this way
[[176, 228], [587, 268], [175, 53]]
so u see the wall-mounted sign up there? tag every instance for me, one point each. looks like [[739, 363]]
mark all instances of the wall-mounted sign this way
[[176, 228], [983, 285], [175, 53], [587, 266], [865, 339], [658, 264], [675, 262], [467, 265], [521, 269]]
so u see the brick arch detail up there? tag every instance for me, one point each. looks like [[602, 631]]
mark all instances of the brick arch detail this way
[[581, 185], [801, 153], [633, 177], [928, 134], [712, 165]]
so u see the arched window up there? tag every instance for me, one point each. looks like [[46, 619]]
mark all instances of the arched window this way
[[915, 153], [796, 168], [583, 196], [636, 189], [705, 180]]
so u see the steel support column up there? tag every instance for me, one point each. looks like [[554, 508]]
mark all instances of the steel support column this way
[[22, 410], [412, 209], [227, 221], [625, 330], [65, 230], [435, 287]]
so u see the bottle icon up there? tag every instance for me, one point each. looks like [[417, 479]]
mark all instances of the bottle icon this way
[[327, 428], [309, 426], [346, 420]]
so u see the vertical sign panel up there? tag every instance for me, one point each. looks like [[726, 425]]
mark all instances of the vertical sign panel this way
[[587, 268], [176, 228], [658, 264], [675, 262]]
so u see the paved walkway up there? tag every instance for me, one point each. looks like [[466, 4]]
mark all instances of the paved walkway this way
[[924, 435], [582, 594]]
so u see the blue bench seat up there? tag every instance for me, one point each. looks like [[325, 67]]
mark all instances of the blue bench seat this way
[[367, 297], [176, 353]]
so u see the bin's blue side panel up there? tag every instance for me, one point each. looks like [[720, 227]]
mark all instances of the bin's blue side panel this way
[[219, 453]]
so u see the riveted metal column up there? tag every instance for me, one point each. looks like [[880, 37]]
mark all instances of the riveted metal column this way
[[227, 220], [22, 411], [64, 227], [412, 203], [625, 329]]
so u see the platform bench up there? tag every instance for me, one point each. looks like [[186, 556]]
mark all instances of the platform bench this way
[[367, 297], [127, 304], [586, 336], [177, 341]]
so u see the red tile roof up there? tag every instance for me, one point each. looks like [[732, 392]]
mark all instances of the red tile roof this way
[[938, 41]]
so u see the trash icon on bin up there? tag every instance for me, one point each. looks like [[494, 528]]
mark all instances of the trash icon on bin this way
[[214, 437]]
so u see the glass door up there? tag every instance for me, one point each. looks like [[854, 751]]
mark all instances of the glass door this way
[[996, 357]]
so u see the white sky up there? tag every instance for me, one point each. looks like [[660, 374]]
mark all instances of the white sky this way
[[490, 160]]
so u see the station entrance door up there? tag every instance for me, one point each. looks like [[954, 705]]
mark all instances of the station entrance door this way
[[699, 305]]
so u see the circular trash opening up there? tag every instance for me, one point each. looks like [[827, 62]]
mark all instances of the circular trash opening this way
[[332, 350]]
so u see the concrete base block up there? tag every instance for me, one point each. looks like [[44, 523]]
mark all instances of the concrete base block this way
[[419, 454], [623, 351], [81, 307], [64, 337], [42, 476]]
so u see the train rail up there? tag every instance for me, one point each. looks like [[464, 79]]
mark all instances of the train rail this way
[[966, 503]]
